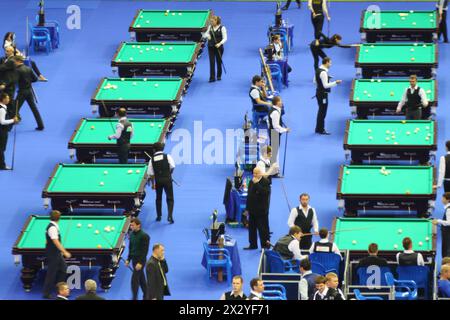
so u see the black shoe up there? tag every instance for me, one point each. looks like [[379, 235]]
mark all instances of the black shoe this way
[[158, 219], [39, 128], [250, 248], [284, 8], [5, 168], [219, 78], [170, 220], [324, 132], [49, 297], [299, 5], [212, 80]]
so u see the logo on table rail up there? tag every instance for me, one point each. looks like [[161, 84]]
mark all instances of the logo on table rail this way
[[214, 146]]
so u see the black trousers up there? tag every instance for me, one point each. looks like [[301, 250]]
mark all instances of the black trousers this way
[[443, 26], [56, 272], [445, 235], [215, 55], [413, 114], [138, 280], [322, 101], [305, 242], [3, 143], [316, 53], [167, 187], [123, 152], [288, 3], [27, 95], [258, 224], [446, 185], [35, 68], [317, 23]]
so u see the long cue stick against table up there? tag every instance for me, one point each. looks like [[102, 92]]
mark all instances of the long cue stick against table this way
[[14, 139], [285, 194], [285, 150], [173, 180], [266, 70], [67, 230], [109, 118]]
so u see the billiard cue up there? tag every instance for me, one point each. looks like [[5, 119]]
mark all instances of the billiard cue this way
[[67, 230], [109, 118], [220, 55], [125, 263], [34, 95], [285, 194], [285, 149], [173, 180], [14, 140], [328, 24], [337, 231]]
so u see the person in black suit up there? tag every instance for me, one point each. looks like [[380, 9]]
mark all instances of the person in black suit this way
[[62, 291], [373, 259], [8, 81], [257, 209], [157, 286], [26, 77], [91, 291]]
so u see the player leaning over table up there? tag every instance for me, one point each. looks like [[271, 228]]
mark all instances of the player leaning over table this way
[[414, 99], [123, 135]]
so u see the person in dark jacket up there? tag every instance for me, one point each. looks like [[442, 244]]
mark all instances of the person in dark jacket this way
[[324, 42], [62, 291], [91, 291], [137, 256], [373, 259], [157, 285], [257, 209]]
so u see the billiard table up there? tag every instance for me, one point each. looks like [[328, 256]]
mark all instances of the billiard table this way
[[355, 235], [96, 186], [175, 59], [380, 97], [368, 140], [86, 247], [404, 25], [151, 25], [140, 96], [364, 188], [396, 59], [89, 141]]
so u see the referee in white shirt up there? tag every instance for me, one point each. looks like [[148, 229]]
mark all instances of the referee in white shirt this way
[[55, 254], [442, 7], [276, 126], [445, 225], [217, 36], [305, 217], [322, 80], [413, 100], [4, 128], [444, 169]]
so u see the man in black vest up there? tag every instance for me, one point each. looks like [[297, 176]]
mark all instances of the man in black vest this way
[[26, 77], [236, 293], [442, 7], [444, 170], [257, 209], [324, 245], [373, 259], [55, 254], [258, 95], [305, 217], [307, 285], [445, 225], [408, 257], [322, 90], [217, 36], [276, 126], [413, 100], [257, 289], [123, 135], [318, 8], [5, 123], [268, 168], [160, 169], [8, 81], [288, 246]]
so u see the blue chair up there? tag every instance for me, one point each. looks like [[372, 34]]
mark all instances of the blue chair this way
[[363, 275], [404, 289], [213, 261], [330, 261], [277, 265], [277, 75], [257, 116], [418, 274], [40, 38], [359, 296], [274, 292], [52, 24], [318, 268]]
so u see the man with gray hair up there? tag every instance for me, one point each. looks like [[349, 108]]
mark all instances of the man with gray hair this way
[[91, 291]]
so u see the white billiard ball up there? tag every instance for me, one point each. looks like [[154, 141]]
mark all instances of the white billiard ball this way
[[395, 246], [427, 239], [420, 243], [79, 225], [138, 171], [131, 59], [130, 171], [89, 225], [400, 231], [347, 172], [102, 183], [145, 79], [152, 124], [112, 228], [156, 85], [370, 138], [170, 48], [354, 242], [379, 80], [97, 232], [134, 84], [105, 172]]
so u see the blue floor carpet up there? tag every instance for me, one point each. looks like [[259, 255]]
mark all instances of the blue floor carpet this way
[[84, 57]]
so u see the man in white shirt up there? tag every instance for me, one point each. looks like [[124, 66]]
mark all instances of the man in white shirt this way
[[413, 100], [124, 134], [288, 247], [217, 36], [268, 170], [307, 285], [276, 126], [322, 80], [4, 128], [408, 257], [445, 225], [257, 289], [442, 7], [258, 95], [444, 174], [305, 217], [160, 169], [321, 288], [324, 245]]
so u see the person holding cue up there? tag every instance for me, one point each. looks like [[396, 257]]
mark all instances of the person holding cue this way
[[413, 100], [442, 7], [123, 135], [305, 217], [318, 9], [4, 128], [217, 36], [445, 225], [55, 254]]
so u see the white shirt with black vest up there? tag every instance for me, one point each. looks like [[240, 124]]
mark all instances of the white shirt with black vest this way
[[334, 248], [3, 111], [324, 77], [119, 129], [422, 94], [276, 117], [294, 247], [294, 214], [255, 295], [446, 221], [157, 157], [420, 261], [53, 231], [442, 169], [207, 34]]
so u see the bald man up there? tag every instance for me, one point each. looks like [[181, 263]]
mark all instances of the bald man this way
[[257, 209]]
